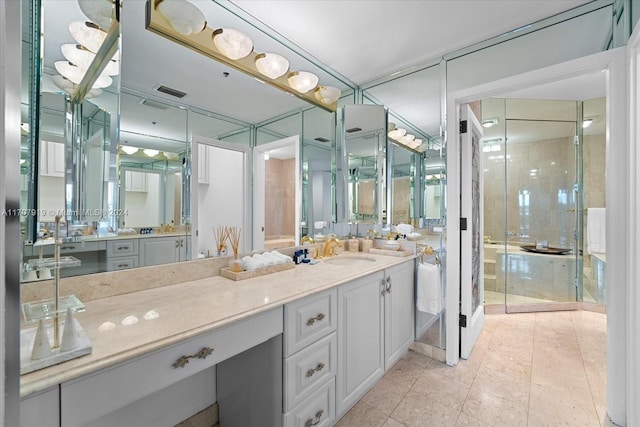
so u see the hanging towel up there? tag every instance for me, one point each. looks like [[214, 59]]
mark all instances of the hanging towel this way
[[596, 230], [429, 298]]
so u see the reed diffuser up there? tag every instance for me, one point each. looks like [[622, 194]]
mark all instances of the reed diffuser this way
[[220, 235], [233, 233]]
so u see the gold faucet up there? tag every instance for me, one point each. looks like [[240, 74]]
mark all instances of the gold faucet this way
[[371, 234], [392, 235], [330, 247], [306, 239]]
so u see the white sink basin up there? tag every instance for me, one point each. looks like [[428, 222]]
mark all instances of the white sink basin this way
[[346, 260]]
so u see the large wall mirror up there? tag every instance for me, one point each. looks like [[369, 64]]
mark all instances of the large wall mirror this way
[[123, 164]]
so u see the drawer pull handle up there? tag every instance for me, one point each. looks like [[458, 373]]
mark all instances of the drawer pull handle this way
[[311, 321], [120, 248], [67, 247], [183, 360], [318, 368], [123, 265], [316, 420]]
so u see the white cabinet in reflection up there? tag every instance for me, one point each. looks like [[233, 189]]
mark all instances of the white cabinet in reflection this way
[[203, 164], [52, 159], [136, 181], [162, 250]]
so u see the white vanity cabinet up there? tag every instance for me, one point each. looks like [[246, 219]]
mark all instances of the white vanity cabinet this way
[[136, 181], [122, 254], [375, 328], [162, 250], [52, 160], [310, 360], [107, 391], [41, 409]]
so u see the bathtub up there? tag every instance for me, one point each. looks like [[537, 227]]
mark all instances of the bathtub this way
[[527, 274]]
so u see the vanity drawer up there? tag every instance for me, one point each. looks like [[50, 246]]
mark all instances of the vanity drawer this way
[[318, 410], [96, 395], [309, 319], [118, 248], [122, 263], [307, 370]]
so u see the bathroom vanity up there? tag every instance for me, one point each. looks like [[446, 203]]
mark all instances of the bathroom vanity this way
[[337, 327]]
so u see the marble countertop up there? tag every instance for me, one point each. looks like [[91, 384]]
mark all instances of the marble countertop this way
[[126, 326]]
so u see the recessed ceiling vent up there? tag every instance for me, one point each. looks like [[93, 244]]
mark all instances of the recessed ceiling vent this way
[[153, 104], [321, 139], [171, 91], [351, 130]]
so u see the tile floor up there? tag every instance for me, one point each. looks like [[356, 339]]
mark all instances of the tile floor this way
[[528, 369]]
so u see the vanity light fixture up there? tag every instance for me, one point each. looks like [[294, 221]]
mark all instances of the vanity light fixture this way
[[415, 143], [98, 11], [129, 149], [170, 156], [586, 123], [183, 16], [302, 81], [489, 122], [327, 94], [271, 65], [232, 43], [24, 129], [235, 49], [397, 133], [22, 161], [150, 152]]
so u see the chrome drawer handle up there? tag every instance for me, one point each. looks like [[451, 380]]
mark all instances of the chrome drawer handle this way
[[123, 265], [319, 317], [120, 248], [318, 368], [316, 420], [183, 360], [67, 247], [384, 287], [389, 284]]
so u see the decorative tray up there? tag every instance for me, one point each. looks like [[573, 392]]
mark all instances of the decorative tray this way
[[548, 250], [225, 272], [44, 309], [399, 252], [63, 261]]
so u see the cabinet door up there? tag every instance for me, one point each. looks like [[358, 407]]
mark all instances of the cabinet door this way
[[136, 181], [159, 250], [52, 160], [182, 248], [398, 312], [203, 164], [41, 409], [360, 339]]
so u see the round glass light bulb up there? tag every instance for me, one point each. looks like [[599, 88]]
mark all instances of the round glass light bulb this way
[[406, 139], [183, 16], [75, 74], [63, 83], [327, 94], [232, 43], [98, 11], [87, 34], [415, 143], [82, 58], [302, 81], [129, 149], [397, 133], [150, 152], [271, 65]]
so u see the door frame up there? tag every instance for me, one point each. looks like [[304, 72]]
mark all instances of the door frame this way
[[618, 165], [247, 199], [258, 181]]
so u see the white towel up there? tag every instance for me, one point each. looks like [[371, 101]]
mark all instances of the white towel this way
[[404, 228], [596, 230], [429, 298]]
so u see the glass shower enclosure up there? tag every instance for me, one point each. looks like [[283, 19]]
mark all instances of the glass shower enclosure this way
[[534, 203]]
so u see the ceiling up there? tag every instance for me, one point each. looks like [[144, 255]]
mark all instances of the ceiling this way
[[359, 40]]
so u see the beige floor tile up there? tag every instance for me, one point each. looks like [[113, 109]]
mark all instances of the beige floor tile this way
[[404, 373], [362, 414], [465, 420], [502, 384], [494, 410], [541, 419], [392, 423], [385, 396], [419, 410], [442, 389], [568, 406], [515, 367], [417, 359]]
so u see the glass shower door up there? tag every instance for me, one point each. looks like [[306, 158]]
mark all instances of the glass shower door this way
[[541, 258]]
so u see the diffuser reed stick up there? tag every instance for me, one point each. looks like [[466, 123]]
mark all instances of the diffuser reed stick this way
[[220, 235], [234, 238]]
